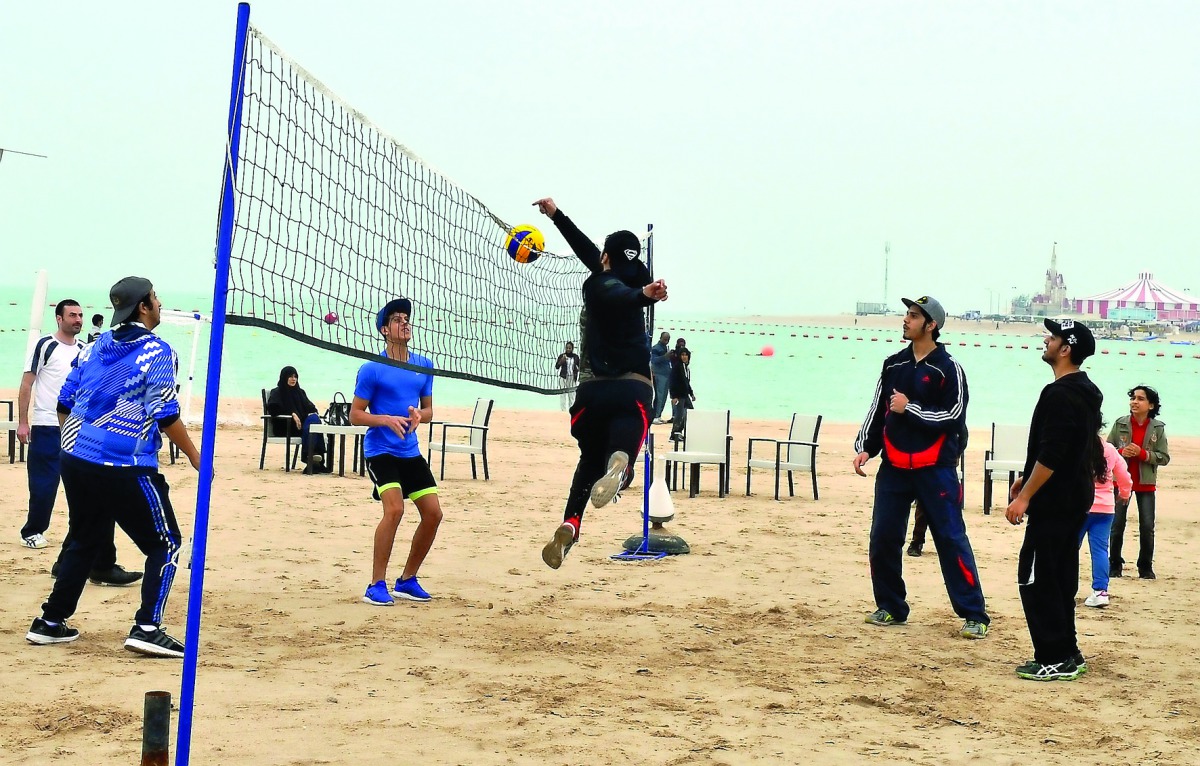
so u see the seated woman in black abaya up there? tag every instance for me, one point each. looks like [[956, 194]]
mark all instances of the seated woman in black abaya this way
[[288, 399]]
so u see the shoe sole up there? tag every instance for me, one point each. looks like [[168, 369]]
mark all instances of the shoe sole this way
[[973, 636], [407, 597], [40, 640], [150, 650], [34, 546], [556, 550], [114, 584], [608, 485], [1059, 677], [892, 624], [1095, 606], [373, 602]]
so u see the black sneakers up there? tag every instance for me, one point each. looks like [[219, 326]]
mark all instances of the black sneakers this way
[[154, 643], [115, 576], [1068, 670], [42, 633]]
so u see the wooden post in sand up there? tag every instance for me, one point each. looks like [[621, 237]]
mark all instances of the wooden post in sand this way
[[156, 729]]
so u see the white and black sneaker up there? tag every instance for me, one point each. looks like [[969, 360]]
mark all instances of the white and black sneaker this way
[[42, 633], [610, 484], [153, 643]]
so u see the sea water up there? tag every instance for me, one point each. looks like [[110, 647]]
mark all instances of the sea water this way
[[816, 370]]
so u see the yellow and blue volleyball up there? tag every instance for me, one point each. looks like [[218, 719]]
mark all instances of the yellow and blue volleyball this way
[[525, 243]]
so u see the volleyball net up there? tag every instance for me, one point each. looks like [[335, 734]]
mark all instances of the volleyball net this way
[[334, 217]]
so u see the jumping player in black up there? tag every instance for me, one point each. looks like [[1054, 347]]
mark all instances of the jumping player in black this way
[[614, 401]]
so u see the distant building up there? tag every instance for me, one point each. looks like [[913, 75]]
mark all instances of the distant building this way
[[1141, 300], [1052, 300]]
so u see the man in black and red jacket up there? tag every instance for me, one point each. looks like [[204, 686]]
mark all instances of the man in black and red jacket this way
[[917, 423]]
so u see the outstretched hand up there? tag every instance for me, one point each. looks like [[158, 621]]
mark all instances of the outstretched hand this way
[[546, 206], [656, 290]]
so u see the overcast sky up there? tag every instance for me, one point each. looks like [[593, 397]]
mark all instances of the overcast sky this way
[[775, 146]]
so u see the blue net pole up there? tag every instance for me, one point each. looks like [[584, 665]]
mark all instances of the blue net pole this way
[[646, 481], [212, 391]]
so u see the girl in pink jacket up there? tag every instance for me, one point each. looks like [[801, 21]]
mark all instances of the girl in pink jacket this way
[[1113, 471]]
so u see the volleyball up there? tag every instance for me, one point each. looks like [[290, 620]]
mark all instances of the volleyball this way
[[331, 318], [525, 243]]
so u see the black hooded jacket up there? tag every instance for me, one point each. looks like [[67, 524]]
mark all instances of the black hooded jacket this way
[[1063, 437], [613, 341]]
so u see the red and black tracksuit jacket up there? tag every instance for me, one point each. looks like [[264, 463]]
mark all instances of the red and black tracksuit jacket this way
[[932, 429]]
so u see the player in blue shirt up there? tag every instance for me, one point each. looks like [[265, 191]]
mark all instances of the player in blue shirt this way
[[116, 403], [393, 402]]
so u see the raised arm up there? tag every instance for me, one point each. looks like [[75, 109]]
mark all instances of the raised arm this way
[[585, 249]]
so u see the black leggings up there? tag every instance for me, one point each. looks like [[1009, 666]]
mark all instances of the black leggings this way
[[608, 416], [1145, 505]]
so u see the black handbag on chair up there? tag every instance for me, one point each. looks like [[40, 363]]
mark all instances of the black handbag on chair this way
[[338, 412]]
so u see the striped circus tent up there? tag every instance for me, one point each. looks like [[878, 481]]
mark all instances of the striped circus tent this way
[[1144, 293]]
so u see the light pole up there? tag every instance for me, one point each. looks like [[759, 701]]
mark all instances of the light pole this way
[[990, 311]]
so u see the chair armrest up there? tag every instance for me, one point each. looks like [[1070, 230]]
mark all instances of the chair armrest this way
[[469, 426], [801, 443], [750, 445]]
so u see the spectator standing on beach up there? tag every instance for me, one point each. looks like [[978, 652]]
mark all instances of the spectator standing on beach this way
[[915, 423], [46, 370], [567, 365], [1142, 440], [1112, 478], [1056, 491], [681, 391], [660, 374], [97, 328], [680, 347]]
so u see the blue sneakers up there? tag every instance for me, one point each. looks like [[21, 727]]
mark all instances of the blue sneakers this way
[[377, 595], [410, 589]]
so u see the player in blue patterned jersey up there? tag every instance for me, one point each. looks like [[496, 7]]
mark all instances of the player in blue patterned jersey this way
[[115, 404]]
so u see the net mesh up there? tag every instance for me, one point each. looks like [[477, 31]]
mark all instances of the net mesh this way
[[334, 216]]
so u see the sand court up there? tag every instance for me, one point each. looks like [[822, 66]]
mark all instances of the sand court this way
[[751, 648]]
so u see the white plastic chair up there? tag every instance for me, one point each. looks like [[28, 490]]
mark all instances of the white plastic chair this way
[[1009, 444], [706, 441], [268, 438], [796, 453], [476, 444]]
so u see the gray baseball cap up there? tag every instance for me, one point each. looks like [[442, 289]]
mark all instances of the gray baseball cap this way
[[125, 295], [930, 307]]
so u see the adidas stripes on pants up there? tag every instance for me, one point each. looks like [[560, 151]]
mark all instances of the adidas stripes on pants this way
[[138, 502]]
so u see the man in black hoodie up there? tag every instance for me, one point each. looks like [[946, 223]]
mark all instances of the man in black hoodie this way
[[614, 401], [1056, 491]]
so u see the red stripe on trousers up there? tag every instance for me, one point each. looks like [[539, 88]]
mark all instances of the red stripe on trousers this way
[[967, 573]]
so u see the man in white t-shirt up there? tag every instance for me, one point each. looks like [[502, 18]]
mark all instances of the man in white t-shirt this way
[[45, 371]]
